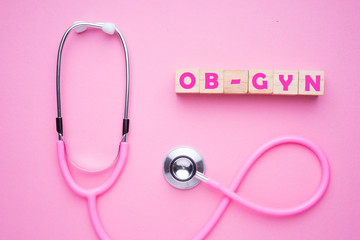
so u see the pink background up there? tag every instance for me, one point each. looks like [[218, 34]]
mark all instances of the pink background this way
[[162, 36]]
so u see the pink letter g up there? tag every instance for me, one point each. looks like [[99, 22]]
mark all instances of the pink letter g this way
[[254, 81]]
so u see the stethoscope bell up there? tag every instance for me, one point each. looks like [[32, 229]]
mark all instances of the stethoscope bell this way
[[181, 166]]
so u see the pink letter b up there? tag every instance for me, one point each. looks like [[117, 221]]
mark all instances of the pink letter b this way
[[211, 81]]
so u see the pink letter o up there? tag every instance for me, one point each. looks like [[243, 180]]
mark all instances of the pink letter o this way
[[182, 80]]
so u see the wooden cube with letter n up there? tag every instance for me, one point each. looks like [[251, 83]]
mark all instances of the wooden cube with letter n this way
[[311, 83]]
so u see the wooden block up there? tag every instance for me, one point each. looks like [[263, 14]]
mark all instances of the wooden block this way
[[261, 81], [236, 81], [211, 81], [286, 82], [311, 83], [187, 81]]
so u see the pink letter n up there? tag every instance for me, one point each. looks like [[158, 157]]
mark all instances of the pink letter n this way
[[309, 81]]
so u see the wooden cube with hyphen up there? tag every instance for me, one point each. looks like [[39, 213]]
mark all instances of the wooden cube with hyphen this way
[[236, 81], [211, 81]]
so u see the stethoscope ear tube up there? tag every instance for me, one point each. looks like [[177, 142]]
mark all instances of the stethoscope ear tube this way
[[108, 28]]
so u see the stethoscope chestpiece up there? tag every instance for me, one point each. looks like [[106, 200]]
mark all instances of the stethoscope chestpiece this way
[[180, 167]]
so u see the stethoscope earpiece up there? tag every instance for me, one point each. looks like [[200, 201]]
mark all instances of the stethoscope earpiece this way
[[181, 165]]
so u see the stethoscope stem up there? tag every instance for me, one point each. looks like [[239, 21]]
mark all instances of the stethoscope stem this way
[[201, 176]]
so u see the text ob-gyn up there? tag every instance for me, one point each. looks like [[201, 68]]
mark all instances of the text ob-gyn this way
[[282, 82]]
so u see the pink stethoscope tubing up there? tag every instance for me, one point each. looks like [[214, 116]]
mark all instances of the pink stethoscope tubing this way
[[231, 195], [92, 194]]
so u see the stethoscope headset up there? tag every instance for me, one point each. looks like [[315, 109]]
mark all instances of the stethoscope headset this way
[[183, 167]]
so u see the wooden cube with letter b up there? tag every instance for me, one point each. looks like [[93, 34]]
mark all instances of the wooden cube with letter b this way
[[211, 81]]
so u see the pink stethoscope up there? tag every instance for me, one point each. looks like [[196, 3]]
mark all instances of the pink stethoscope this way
[[183, 167]]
